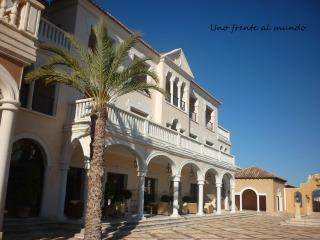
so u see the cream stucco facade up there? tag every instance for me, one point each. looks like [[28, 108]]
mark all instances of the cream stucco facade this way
[[154, 145], [270, 189], [308, 194]]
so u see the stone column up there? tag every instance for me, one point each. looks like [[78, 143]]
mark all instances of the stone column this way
[[297, 212], [218, 185], [179, 93], [85, 190], [240, 202], [63, 186], [233, 198], [175, 209], [142, 176], [6, 129], [258, 203], [200, 198], [171, 89]]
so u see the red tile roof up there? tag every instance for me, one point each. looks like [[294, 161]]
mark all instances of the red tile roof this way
[[256, 173]]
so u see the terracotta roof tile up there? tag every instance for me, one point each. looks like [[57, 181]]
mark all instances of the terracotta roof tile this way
[[256, 173]]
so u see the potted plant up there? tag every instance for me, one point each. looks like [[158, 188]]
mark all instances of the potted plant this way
[[127, 195], [187, 206], [164, 206], [186, 199]]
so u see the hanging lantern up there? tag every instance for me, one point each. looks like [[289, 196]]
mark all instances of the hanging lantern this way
[[169, 168], [135, 165]]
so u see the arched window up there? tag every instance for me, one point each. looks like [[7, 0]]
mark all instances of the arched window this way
[[298, 198]]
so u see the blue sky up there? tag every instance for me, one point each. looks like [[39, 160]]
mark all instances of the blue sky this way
[[268, 81]]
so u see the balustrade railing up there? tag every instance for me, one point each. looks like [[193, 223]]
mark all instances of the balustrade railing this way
[[124, 122], [225, 134], [48, 32]]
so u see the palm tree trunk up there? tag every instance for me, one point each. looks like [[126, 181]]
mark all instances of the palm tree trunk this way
[[95, 176]]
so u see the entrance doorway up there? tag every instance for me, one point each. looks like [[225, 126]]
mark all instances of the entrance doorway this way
[[150, 190], [75, 193], [316, 200], [262, 203], [25, 182], [115, 185], [249, 200]]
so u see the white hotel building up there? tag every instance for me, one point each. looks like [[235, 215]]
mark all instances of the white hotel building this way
[[154, 146]]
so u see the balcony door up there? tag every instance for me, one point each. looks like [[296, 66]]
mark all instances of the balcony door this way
[[150, 190]]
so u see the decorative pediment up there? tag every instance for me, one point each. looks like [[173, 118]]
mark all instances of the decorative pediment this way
[[178, 57]]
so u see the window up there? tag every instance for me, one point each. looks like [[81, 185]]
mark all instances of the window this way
[[141, 78], [25, 87], [149, 189], [209, 118], [139, 112], [175, 92], [168, 92], [192, 108], [209, 143], [182, 101], [92, 39], [193, 136], [37, 96], [43, 97]]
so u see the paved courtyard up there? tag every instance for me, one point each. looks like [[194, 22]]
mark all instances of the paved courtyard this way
[[254, 227]]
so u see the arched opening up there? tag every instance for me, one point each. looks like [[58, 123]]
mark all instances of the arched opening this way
[[175, 92], [168, 91], [25, 183], [158, 194], [183, 97], [279, 201], [249, 200], [316, 200], [189, 188], [210, 191], [226, 192], [298, 198], [76, 183], [121, 181]]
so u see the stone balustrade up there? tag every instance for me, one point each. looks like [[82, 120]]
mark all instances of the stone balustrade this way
[[223, 133], [127, 123], [50, 33]]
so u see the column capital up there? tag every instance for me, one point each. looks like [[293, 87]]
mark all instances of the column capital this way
[[141, 173], [219, 184], [86, 163], [179, 84], [201, 182], [64, 166], [172, 78], [176, 178], [9, 105]]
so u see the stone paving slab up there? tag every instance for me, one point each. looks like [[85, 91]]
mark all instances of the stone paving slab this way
[[253, 227]]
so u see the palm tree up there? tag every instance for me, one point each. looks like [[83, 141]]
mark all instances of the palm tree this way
[[98, 73]]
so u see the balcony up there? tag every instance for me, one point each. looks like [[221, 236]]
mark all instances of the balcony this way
[[223, 134], [50, 33], [139, 128], [19, 22]]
